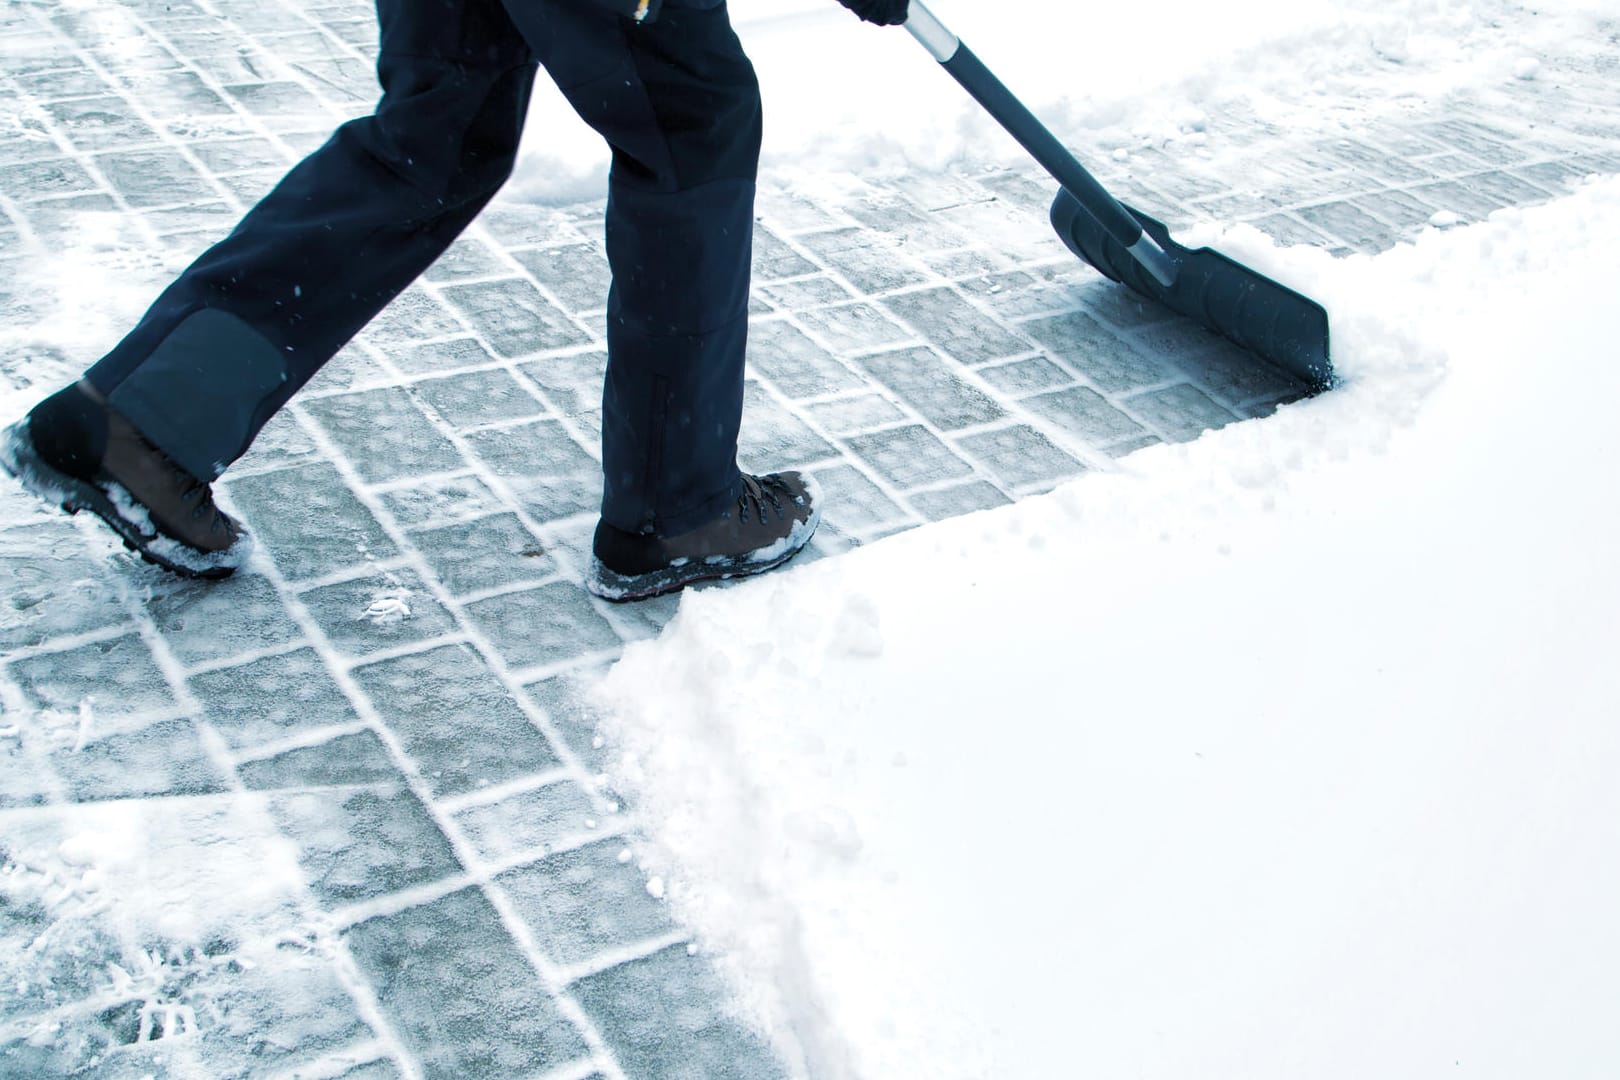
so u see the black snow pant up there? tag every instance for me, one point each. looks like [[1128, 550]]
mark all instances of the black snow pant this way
[[256, 316]]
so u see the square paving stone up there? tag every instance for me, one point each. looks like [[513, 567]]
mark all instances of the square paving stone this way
[[55, 586], [1398, 208], [854, 503], [474, 398], [946, 318], [164, 759], [661, 1016], [1022, 377], [350, 370], [464, 1000], [371, 1070], [773, 437], [775, 260], [1509, 189], [867, 260], [271, 699], [412, 317], [174, 93], [456, 720], [545, 467], [308, 520], [283, 106], [155, 178], [581, 903], [280, 443], [793, 363], [849, 416], [273, 1016], [355, 760], [1350, 225], [573, 384], [1290, 231], [467, 258], [1460, 197], [215, 620], [550, 625], [69, 82], [440, 500], [1098, 352], [99, 123], [576, 274], [565, 699], [854, 328], [514, 318], [385, 434], [913, 230], [380, 611], [1239, 379], [792, 213], [529, 821], [36, 180], [811, 292], [485, 554], [1180, 413], [909, 456], [1491, 146], [958, 500], [357, 844], [440, 356], [1086, 414], [119, 677], [26, 779], [1020, 456], [924, 380]]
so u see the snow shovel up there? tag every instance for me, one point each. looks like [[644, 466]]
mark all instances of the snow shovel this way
[[1252, 311]]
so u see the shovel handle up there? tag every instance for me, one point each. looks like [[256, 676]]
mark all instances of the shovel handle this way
[[1022, 125]]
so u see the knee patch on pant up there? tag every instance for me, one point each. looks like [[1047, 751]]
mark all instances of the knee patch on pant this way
[[203, 393]]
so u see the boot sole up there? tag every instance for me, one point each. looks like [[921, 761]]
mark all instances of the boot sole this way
[[620, 588], [19, 458]]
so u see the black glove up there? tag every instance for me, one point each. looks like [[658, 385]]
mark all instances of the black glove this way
[[882, 12]]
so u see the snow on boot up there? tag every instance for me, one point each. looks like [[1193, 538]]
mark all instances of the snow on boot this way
[[774, 518], [75, 451]]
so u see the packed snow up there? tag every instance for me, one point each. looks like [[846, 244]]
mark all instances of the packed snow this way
[[1285, 753], [1288, 752]]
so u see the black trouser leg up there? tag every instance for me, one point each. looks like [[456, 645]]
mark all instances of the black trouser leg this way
[[678, 102], [257, 315]]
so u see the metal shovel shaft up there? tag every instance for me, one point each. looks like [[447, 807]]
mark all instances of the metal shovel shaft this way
[[1043, 146]]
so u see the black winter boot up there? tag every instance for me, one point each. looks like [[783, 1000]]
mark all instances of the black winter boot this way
[[773, 520], [75, 451]]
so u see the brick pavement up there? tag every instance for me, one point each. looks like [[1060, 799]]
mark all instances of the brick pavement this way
[[396, 686]]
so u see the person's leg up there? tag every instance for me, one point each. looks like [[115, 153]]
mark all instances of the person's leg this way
[[251, 321], [678, 102]]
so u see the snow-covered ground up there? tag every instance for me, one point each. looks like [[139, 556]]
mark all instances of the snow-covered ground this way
[[1289, 752]]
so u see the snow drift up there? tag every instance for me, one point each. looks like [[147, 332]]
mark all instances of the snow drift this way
[[1289, 752]]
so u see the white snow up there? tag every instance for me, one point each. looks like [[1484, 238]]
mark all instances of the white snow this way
[[1286, 753], [1109, 79], [1289, 752]]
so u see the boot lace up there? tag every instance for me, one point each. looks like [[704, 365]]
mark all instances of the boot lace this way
[[757, 491]]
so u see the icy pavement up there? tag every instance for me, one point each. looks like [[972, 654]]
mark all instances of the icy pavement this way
[[337, 816]]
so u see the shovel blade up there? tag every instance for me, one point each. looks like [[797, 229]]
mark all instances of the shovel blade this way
[[1252, 311]]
